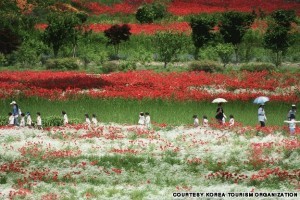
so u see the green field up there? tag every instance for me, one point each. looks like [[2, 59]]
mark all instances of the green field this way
[[161, 111]]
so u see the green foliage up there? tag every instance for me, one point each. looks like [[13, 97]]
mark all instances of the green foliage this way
[[3, 121], [169, 45], [62, 64], [257, 67], [202, 27], [284, 17], [205, 65], [233, 26], [61, 30], [2, 59], [225, 52], [57, 121], [148, 13], [116, 34], [109, 67], [252, 41]]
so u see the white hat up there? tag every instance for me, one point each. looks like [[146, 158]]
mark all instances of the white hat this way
[[293, 105], [13, 102]]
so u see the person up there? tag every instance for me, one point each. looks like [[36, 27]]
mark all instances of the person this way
[[65, 116], [141, 119], [39, 120], [262, 115], [292, 124], [292, 112], [87, 120], [147, 120], [196, 121], [15, 112], [11, 119], [28, 120], [205, 121], [231, 120], [22, 122], [94, 120], [220, 113], [224, 118]]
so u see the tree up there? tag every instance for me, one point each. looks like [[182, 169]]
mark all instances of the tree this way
[[225, 52], [202, 27], [278, 37], [62, 29], [147, 13], [116, 34], [233, 26], [169, 45]]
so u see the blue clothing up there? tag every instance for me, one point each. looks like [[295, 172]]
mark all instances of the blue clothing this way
[[15, 110]]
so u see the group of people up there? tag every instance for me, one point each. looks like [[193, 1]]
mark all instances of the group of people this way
[[144, 118]]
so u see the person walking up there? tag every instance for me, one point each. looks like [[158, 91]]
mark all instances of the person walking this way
[[141, 119], [15, 112], [147, 120], [220, 113], [65, 118], [262, 115], [292, 112], [196, 121]]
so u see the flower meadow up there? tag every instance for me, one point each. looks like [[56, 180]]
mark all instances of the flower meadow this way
[[181, 86], [113, 161]]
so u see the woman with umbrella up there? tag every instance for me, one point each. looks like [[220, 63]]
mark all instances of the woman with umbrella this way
[[262, 115], [220, 113]]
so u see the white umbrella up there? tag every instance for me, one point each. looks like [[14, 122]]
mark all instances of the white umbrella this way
[[261, 100], [219, 100]]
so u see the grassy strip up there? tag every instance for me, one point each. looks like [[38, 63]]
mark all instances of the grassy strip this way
[[161, 111]]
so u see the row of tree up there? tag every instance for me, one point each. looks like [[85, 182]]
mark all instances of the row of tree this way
[[65, 27]]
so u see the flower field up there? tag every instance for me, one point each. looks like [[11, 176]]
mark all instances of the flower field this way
[[196, 86], [128, 162]]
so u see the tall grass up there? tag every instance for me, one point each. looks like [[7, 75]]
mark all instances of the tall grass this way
[[161, 111]]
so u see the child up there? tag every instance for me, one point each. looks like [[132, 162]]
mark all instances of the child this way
[[87, 120], [141, 119], [205, 121], [28, 121], [66, 120], [292, 124], [39, 120], [10, 119], [94, 120], [196, 121], [231, 120], [147, 120], [224, 118], [22, 123]]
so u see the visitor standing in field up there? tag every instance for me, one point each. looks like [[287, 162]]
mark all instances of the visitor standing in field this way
[[292, 124], [141, 119], [65, 118], [220, 113], [262, 115], [15, 112], [94, 120], [28, 120], [231, 120], [196, 120], [87, 120], [147, 120], [39, 120], [205, 121], [22, 122], [292, 112], [10, 119]]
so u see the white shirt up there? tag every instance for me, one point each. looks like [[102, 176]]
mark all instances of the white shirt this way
[[196, 122], [94, 121], [231, 122], [205, 122], [66, 120], [22, 122], [147, 119], [11, 120], [141, 120], [29, 121], [87, 121], [261, 115], [39, 121]]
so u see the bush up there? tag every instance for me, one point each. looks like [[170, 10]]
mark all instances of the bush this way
[[207, 66], [257, 67], [62, 64], [147, 13], [109, 67], [57, 121]]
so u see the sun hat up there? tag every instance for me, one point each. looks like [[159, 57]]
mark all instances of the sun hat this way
[[13, 102], [293, 105]]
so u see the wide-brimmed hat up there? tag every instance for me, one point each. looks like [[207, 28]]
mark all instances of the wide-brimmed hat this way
[[293, 105], [13, 102]]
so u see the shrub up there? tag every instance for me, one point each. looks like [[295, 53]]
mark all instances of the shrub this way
[[63, 64], [257, 67], [207, 66], [147, 13], [109, 67]]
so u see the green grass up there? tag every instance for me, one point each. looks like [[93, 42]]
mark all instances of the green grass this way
[[127, 111]]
